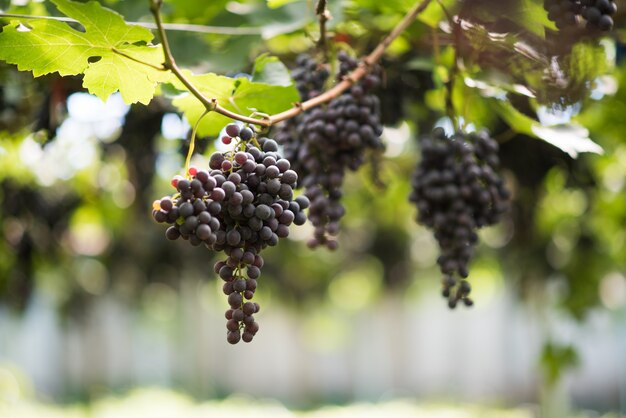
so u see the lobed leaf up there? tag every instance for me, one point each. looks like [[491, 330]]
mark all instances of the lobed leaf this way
[[45, 47], [273, 4], [569, 137]]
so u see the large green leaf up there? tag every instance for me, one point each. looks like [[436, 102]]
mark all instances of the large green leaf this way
[[533, 17], [270, 70], [239, 95], [101, 52], [568, 137], [436, 12], [273, 4]]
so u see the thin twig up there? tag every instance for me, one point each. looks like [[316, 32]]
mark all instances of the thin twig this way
[[449, 84], [353, 77], [192, 141], [322, 14], [219, 30]]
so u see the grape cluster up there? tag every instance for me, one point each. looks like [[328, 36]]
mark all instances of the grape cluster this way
[[243, 204], [457, 190], [597, 13], [324, 142]]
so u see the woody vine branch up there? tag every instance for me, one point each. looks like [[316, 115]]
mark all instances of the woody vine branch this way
[[211, 104]]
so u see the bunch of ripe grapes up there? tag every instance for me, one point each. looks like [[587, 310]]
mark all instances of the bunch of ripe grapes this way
[[457, 190], [241, 204], [327, 141]]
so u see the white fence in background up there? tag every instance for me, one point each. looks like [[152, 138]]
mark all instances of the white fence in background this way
[[396, 348]]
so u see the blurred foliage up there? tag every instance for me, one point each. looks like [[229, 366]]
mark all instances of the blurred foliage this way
[[555, 359], [567, 215], [76, 185], [162, 403]]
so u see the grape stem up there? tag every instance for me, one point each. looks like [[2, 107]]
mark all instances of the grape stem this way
[[449, 85], [349, 80], [323, 15], [192, 142]]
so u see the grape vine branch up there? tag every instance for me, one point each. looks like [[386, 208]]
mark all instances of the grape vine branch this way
[[211, 104]]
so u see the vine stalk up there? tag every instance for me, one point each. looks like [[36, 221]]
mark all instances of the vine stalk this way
[[192, 142], [321, 10], [454, 70], [349, 80]]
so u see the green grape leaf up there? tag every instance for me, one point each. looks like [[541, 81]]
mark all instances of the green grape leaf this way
[[269, 70], [435, 13], [110, 53], [568, 137], [235, 94], [532, 16], [274, 4], [556, 359], [571, 138]]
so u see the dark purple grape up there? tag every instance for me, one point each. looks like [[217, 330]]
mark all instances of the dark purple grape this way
[[216, 160], [253, 328], [246, 134], [226, 272], [232, 130], [253, 272], [172, 233], [263, 212], [239, 285], [249, 308], [592, 14], [203, 232], [232, 325], [166, 204], [233, 337], [238, 315], [605, 23], [186, 209], [241, 158], [235, 299]]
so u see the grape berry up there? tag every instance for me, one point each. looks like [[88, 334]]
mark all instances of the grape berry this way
[[244, 204], [457, 190]]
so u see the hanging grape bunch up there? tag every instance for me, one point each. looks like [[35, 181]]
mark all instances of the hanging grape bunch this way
[[244, 204], [457, 190], [597, 13], [324, 142]]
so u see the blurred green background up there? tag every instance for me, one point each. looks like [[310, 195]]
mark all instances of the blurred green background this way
[[95, 304]]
